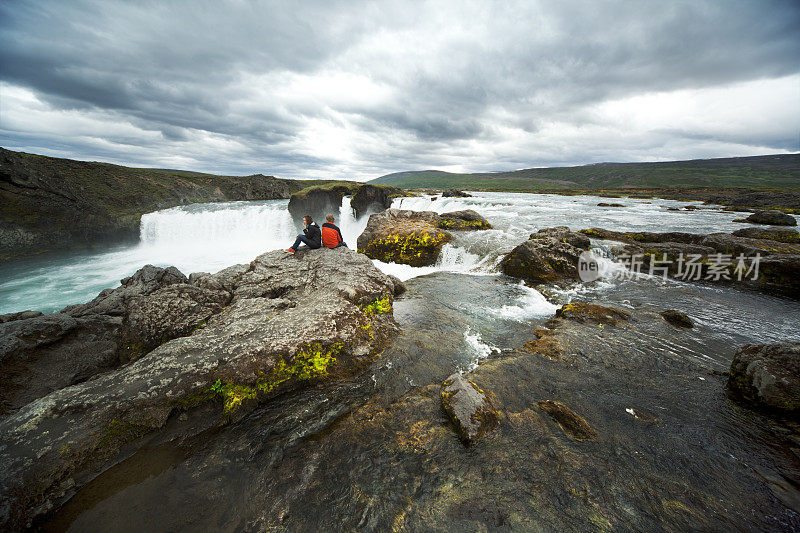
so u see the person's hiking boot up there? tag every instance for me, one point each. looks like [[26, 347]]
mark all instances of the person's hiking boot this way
[[289, 250]]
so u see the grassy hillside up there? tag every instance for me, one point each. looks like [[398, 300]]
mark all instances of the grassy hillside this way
[[759, 171]]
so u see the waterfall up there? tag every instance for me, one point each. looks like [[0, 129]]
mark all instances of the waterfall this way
[[259, 226]]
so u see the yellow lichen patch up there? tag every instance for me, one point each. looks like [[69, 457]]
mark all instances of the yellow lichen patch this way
[[379, 306], [310, 362], [416, 248]]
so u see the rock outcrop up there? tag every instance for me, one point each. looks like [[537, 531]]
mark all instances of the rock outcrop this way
[[320, 200], [768, 375], [414, 237], [246, 334], [772, 234], [373, 198], [455, 193], [403, 236], [778, 263], [468, 407], [679, 319], [772, 217], [549, 256], [51, 203]]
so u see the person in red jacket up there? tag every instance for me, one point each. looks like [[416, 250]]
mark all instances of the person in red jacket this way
[[331, 235]]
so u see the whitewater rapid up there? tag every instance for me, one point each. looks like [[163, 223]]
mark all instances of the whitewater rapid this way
[[212, 236]]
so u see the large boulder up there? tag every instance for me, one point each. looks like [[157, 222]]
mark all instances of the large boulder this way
[[291, 321], [563, 234], [463, 220], [455, 193], [468, 407], [403, 236], [768, 374], [547, 257], [773, 217]]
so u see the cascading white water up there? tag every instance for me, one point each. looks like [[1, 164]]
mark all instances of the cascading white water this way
[[260, 225]]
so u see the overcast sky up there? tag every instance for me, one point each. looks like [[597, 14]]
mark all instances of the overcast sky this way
[[360, 89]]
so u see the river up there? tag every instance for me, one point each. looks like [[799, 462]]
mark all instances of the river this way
[[307, 461]]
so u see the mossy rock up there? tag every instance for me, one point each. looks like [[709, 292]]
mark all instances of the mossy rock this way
[[592, 313], [571, 422]]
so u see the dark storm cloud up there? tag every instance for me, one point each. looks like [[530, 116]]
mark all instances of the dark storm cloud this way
[[360, 88]]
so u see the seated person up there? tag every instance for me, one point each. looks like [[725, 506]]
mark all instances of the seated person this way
[[331, 235], [312, 237]]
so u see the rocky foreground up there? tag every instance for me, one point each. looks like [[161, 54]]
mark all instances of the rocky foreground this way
[[174, 355], [261, 378]]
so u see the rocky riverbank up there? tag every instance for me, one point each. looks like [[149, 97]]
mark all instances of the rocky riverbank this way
[[164, 356]]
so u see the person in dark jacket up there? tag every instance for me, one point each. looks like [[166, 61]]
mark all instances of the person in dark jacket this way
[[311, 237], [331, 234]]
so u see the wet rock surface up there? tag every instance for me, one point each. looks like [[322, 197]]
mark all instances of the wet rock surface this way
[[774, 234], [291, 321], [734, 256], [627, 428], [768, 375], [403, 236], [772, 217], [679, 319], [551, 255], [468, 407]]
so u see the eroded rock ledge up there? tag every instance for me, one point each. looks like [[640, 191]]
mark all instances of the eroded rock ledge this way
[[238, 337]]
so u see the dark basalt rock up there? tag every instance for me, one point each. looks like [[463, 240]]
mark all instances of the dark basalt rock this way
[[325, 199], [773, 234], [605, 204], [545, 258], [679, 319], [318, 202], [772, 217], [242, 354], [564, 234], [21, 315], [768, 374], [468, 407], [592, 313], [371, 198], [455, 193]]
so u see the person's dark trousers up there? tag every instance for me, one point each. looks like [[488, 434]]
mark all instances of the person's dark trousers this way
[[304, 240]]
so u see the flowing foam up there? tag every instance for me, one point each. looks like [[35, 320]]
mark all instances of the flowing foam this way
[[529, 304], [480, 349]]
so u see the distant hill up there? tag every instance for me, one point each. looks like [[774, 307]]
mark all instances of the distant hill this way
[[757, 171]]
